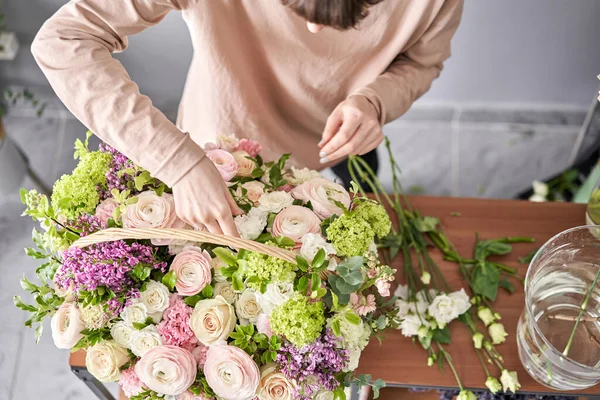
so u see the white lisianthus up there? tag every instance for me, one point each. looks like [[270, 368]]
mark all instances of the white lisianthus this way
[[410, 325], [486, 315], [275, 201], [423, 301], [493, 385], [510, 381], [354, 355], [405, 308], [426, 278], [478, 340], [136, 312], [401, 292], [251, 225], [497, 333], [276, 294], [105, 359], [446, 308], [461, 300], [156, 297], [312, 243], [122, 333], [540, 191], [225, 289], [247, 307], [144, 340], [301, 175], [466, 395], [352, 336]]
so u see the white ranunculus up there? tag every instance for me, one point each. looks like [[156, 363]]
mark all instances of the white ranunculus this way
[[276, 294], [354, 359], [104, 360], [301, 175], [225, 289], [66, 325], [275, 201], [251, 225], [156, 297], [247, 307], [136, 312], [122, 332], [410, 325], [353, 336], [144, 340]]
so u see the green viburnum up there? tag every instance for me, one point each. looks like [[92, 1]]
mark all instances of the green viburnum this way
[[78, 193], [298, 321], [350, 235], [266, 269], [376, 216]]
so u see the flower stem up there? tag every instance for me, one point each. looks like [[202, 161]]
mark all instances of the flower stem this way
[[451, 364], [478, 352], [581, 311]]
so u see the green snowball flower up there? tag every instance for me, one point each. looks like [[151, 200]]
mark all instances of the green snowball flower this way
[[350, 235], [299, 321], [267, 269], [94, 165], [376, 216]]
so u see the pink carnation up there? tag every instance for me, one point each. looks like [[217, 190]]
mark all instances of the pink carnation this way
[[130, 383], [175, 325], [199, 354], [251, 147], [105, 210]]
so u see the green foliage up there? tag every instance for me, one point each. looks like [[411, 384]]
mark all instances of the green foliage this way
[[276, 172], [257, 345], [485, 279]]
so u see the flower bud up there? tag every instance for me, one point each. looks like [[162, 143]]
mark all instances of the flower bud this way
[[478, 340], [485, 315]]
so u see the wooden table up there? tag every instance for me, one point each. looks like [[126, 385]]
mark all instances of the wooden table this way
[[403, 364]]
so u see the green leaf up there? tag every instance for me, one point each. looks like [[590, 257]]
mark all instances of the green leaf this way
[[31, 252], [141, 272], [339, 393], [319, 258], [264, 237], [141, 180], [528, 258], [316, 281], [28, 286], [302, 263], [377, 386], [352, 317], [284, 242], [426, 224], [23, 194], [169, 280], [38, 333], [442, 335], [507, 285], [226, 255], [237, 282], [192, 300], [336, 328], [207, 292], [486, 248], [381, 322], [25, 307], [139, 325], [302, 284], [485, 279], [321, 292]]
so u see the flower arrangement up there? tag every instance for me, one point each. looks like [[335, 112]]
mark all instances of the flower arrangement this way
[[184, 320]]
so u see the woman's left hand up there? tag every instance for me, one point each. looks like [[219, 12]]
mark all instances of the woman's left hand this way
[[352, 128]]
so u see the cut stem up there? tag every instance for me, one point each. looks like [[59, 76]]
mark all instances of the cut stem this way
[[451, 364]]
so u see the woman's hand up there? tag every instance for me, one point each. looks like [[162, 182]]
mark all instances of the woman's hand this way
[[352, 128], [203, 199]]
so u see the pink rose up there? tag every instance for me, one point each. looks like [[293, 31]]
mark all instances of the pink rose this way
[[383, 287], [231, 372], [105, 210], [224, 162], [251, 147], [294, 222], [199, 354], [130, 383], [263, 325], [66, 326], [153, 211], [168, 370], [245, 165], [322, 194], [192, 267]]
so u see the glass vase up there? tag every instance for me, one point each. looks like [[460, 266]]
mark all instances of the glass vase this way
[[558, 334]]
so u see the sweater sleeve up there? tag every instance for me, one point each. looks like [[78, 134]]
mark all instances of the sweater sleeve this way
[[74, 50], [411, 74]]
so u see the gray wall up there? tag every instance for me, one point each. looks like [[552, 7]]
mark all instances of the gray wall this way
[[533, 51]]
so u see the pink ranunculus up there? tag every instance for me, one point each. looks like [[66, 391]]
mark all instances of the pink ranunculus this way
[[361, 304], [294, 222], [224, 162], [323, 194], [383, 287], [130, 383], [263, 325], [105, 210], [231, 372], [66, 326], [199, 354], [168, 370], [153, 211], [251, 147], [192, 267]]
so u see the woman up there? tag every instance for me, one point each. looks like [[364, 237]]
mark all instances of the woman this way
[[292, 74]]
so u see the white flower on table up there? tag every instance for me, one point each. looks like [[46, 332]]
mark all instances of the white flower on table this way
[[497, 333], [510, 381], [447, 307], [410, 325]]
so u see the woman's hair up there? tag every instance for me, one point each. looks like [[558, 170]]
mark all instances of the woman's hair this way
[[337, 14]]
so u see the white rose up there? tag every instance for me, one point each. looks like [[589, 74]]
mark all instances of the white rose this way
[[353, 336], [136, 312], [410, 325], [251, 225], [354, 360], [461, 299], [247, 307], [275, 201], [274, 385], [145, 340], [276, 294], [212, 320], [225, 289], [66, 326], [443, 309], [156, 297], [301, 175], [312, 243], [103, 360], [122, 332]]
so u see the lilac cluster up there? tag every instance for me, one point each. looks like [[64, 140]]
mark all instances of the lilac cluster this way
[[114, 180], [106, 265], [314, 366], [87, 224]]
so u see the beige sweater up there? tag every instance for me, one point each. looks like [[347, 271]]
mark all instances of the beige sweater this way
[[256, 72]]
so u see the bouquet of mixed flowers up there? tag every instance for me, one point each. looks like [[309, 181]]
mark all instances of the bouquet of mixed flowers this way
[[174, 318]]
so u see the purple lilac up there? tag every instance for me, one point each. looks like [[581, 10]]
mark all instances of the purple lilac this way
[[314, 366], [113, 179], [87, 224]]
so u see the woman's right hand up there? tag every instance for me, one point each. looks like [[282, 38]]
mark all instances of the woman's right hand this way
[[203, 199]]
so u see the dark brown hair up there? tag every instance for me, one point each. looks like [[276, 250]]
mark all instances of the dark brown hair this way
[[337, 14]]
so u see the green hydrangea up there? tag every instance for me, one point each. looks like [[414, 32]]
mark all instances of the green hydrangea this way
[[299, 321], [267, 269], [376, 216], [350, 235], [81, 187]]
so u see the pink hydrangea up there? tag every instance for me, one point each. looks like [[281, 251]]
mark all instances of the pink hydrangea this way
[[252, 147], [199, 354], [130, 383], [175, 325]]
